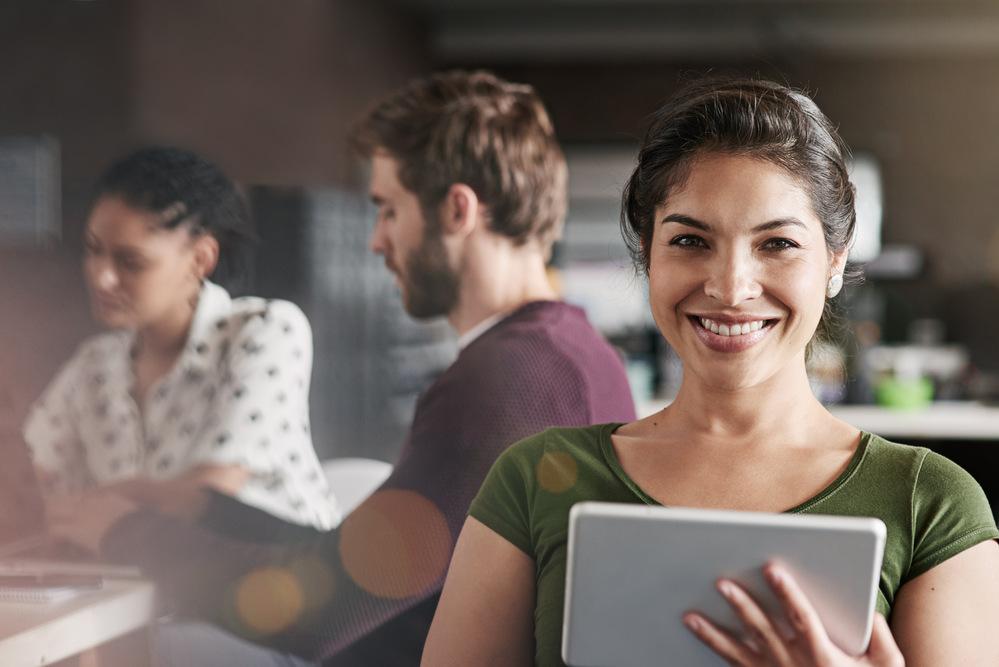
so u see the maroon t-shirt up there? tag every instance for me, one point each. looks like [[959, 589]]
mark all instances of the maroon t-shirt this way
[[365, 593]]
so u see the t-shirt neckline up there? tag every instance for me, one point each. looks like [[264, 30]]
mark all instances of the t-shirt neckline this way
[[610, 456]]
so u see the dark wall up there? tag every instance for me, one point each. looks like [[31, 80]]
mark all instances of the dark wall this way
[[65, 72], [270, 89]]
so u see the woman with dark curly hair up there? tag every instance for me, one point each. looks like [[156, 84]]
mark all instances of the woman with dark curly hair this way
[[191, 388], [740, 213]]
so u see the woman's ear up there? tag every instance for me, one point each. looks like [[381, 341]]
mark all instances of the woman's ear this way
[[460, 210], [838, 263], [206, 255]]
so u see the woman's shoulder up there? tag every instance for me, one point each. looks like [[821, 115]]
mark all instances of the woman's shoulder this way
[[567, 438], [254, 315], [575, 447], [926, 482], [945, 508], [97, 350], [890, 454], [917, 465]]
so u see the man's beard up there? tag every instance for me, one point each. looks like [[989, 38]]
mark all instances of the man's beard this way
[[431, 286]]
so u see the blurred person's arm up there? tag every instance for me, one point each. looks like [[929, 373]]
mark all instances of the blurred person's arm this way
[[312, 598], [260, 417], [186, 495], [226, 516], [50, 431]]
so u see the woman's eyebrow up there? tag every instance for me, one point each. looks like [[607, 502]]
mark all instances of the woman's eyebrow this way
[[770, 225], [686, 220], [778, 223]]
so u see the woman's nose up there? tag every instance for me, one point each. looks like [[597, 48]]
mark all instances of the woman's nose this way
[[102, 274], [732, 280]]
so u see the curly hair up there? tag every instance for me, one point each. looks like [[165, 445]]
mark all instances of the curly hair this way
[[183, 188]]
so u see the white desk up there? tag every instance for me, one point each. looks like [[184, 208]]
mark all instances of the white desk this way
[[40, 634]]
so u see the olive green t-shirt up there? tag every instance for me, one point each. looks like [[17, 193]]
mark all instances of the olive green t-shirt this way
[[932, 508]]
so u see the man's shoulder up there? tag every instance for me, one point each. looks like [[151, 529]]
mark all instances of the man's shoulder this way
[[536, 331]]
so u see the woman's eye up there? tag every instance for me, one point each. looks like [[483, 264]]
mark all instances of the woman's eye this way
[[780, 244], [688, 241], [130, 264]]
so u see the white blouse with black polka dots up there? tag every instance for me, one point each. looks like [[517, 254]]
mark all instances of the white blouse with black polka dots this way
[[238, 393]]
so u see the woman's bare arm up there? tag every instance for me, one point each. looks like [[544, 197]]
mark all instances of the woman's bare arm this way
[[486, 612], [949, 615]]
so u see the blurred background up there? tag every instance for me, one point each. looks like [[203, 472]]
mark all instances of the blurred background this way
[[269, 89]]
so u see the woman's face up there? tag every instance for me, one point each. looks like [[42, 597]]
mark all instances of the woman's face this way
[[738, 271], [138, 274]]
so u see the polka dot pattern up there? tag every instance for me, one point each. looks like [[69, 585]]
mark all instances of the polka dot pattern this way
[[237, 394]]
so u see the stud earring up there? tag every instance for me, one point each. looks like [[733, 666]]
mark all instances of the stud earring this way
[[835, 285]]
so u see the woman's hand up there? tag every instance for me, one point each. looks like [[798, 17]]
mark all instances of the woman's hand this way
[[768, 646], [84, 519], [184, 496]]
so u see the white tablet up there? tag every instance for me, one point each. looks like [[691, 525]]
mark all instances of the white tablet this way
[[634, 570]]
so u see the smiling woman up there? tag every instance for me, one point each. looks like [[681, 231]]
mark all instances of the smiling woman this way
[[738, 263], [740, 213]]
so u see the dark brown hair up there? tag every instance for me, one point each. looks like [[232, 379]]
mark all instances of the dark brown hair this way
[[186, 189], [476, 129]]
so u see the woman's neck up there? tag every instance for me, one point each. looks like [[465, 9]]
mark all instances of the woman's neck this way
[[782, 408], [165, 338]]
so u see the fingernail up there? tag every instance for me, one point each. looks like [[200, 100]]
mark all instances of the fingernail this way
[[692, 622], [775, 575], [726, 588]]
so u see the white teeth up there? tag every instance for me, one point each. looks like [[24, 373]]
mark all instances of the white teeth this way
[[731, 329]]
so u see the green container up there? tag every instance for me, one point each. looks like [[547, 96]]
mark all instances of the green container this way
[[904, 394]]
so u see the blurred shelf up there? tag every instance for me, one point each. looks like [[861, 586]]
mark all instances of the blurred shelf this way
[[944, 420], [958, 420]]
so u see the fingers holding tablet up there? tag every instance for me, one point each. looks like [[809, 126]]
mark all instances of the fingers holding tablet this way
[[799, 638]]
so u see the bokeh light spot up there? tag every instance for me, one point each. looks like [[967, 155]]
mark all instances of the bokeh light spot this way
[[556, 472], [396, 544], [319, 581], [269, 600]]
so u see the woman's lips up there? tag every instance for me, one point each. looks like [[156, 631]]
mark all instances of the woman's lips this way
[[723, 336], [106, 304]]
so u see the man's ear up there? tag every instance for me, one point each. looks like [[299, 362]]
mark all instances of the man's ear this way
[[206, 255], [461, 210]]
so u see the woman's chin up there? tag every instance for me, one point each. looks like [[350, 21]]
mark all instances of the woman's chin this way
[[731, 378], [112, 319]]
